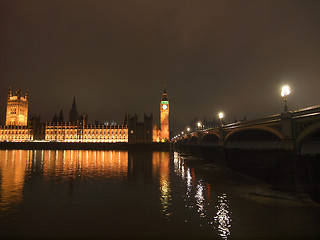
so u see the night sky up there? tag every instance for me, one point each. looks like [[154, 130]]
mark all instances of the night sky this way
[[115, 56]]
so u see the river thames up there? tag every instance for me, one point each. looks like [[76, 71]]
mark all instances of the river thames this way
[[80, 194]]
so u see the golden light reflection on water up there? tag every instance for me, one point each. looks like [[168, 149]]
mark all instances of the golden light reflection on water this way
[[13, 165], [17, 166], [85, 163], [161, 167]]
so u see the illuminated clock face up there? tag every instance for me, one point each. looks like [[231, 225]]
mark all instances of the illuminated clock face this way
[[164, 106]]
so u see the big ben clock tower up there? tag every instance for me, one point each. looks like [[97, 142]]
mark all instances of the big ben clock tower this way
[[164, 116]]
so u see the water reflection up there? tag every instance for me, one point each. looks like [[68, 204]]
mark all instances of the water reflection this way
[[189, 183], [13, 165], [169, 190], [200, 200], [223, 216], [84, 164], [188, 177], [198, 197]]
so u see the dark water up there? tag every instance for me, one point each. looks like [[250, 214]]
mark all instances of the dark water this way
[[142, 195]]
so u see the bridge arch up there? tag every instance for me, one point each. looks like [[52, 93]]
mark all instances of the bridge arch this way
[[193, 140], [254, 138], [184, 140], [310, 131], [210, 139]]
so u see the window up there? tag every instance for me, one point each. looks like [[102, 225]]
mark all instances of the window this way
[[13, 111]]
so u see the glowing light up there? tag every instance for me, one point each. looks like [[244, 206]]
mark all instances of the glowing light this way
[[199, 124], [221, 115], [285, 91], [188, 129], [223, 217], [189, 183], [200, 201], [182, 132]]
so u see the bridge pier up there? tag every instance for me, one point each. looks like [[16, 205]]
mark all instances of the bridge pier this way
[[222, 137], [288, 177], [287, 131]]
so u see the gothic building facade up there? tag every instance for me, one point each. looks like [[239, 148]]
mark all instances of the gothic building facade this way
[[16, 128], [17, 108], [19, 128], [71, 132], [139, 132]]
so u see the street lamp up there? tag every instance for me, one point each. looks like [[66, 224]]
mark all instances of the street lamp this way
[[188, 129], [199, 125], [285, 91], [221, 116]]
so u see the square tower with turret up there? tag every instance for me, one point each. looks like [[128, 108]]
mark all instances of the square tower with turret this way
[[17, 109], [164, 117]]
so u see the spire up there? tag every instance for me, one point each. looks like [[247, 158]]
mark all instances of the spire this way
[[164, 94], [61, 119], [18, 93], [74, 115], [10, 92], [55, 118], [74, 103]]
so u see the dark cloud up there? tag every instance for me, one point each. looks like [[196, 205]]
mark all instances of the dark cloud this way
[[115, 56]]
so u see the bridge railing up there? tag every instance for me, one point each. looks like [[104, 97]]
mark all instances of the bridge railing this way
[[273, 118], [314, 110], [309, 111]]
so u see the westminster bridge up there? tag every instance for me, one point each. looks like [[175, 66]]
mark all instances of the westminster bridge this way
[[290, 130]]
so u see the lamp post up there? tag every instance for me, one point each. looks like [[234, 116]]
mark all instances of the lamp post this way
[[285, 91], [199, 125], [221, 116]]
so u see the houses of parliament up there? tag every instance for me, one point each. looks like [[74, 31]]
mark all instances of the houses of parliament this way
[[19, 127]]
